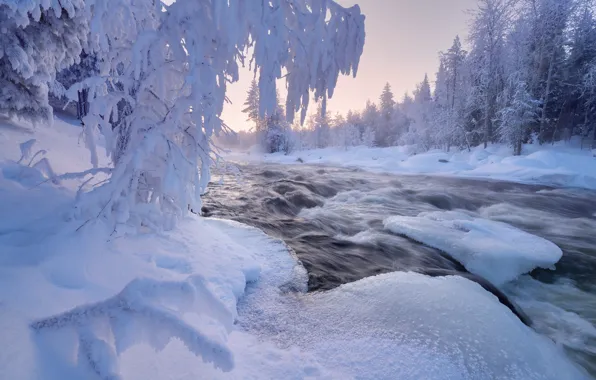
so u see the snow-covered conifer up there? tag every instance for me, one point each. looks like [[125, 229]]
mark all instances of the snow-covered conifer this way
[[386, 126], [251, 105], [517, 118], [37, 39]]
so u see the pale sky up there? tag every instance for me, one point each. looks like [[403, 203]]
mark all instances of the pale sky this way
[[403, 39]]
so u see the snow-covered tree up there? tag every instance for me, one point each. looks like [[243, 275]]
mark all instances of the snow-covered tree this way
[[343, 133], [355, 118], [518, 116], [87, 67], [420, 112], [276, 130], [252, 106], [368, 137], [385, 132], [37, 39], [588, 98], [370, 119], [171, 64], [492, 20], [405, 107], [578, 110], [320, 125], [450, 98], [548, 54]]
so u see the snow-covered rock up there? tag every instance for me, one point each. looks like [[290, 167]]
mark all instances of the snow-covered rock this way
[[493, 250]]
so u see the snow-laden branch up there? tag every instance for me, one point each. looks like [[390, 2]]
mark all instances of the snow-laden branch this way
[[169, 66], [83, 174], [136, 315]]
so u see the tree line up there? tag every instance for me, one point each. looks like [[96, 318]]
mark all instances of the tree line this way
[[528, 75]]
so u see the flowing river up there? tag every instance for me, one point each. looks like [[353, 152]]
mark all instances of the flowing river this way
[[318, 210]]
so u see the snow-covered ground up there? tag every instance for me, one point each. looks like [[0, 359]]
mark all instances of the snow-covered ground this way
[[562, 164], [77, 302]]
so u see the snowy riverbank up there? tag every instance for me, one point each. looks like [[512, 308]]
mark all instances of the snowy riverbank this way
[[81, 302], [562, 164]]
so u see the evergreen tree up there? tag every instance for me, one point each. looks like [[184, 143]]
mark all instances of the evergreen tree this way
[[385, 133], [579, 113], [87, 67], [421, 115], [491, 22], [453, 61], [276, 130], [530, 70], [518, 116], [547, 55], [422, 95], [251, 105], [320, 126], [449, 96], [37, 40], [370, 120], [368, 137]]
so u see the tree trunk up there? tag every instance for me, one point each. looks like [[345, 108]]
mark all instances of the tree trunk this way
[[80, 106], [517, 148], [486, 122], [83, 104], [545, 98]]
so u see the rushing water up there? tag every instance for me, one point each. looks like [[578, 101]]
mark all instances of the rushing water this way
[[333, 219]]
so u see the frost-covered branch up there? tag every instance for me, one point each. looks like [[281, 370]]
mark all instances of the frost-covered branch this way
[[169, 66], [136, 315]]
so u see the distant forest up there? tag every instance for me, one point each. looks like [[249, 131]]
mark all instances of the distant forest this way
[[529, 76]]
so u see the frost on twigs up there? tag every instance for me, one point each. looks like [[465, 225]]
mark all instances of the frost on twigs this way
[[146, 311], [31, 169]]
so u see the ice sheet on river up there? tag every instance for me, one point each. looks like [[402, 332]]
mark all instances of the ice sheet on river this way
[[493, 250]]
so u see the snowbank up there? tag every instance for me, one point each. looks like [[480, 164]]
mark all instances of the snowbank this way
[[557, 165], [493, 250], [410, 326], [74, 303]]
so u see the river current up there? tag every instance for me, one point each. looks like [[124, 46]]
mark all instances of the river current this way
[[333, 219]]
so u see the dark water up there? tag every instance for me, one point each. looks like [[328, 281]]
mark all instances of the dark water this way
[[333, 219]]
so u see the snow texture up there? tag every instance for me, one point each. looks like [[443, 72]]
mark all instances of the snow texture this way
[[493, 250], [409, 326]]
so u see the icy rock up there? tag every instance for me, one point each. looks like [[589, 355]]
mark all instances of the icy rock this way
[[493, 250]]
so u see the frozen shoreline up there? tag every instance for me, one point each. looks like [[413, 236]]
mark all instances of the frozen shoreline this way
[[559, 165]]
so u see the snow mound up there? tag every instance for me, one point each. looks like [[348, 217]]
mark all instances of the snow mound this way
[[410, 326], [493, 250]]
